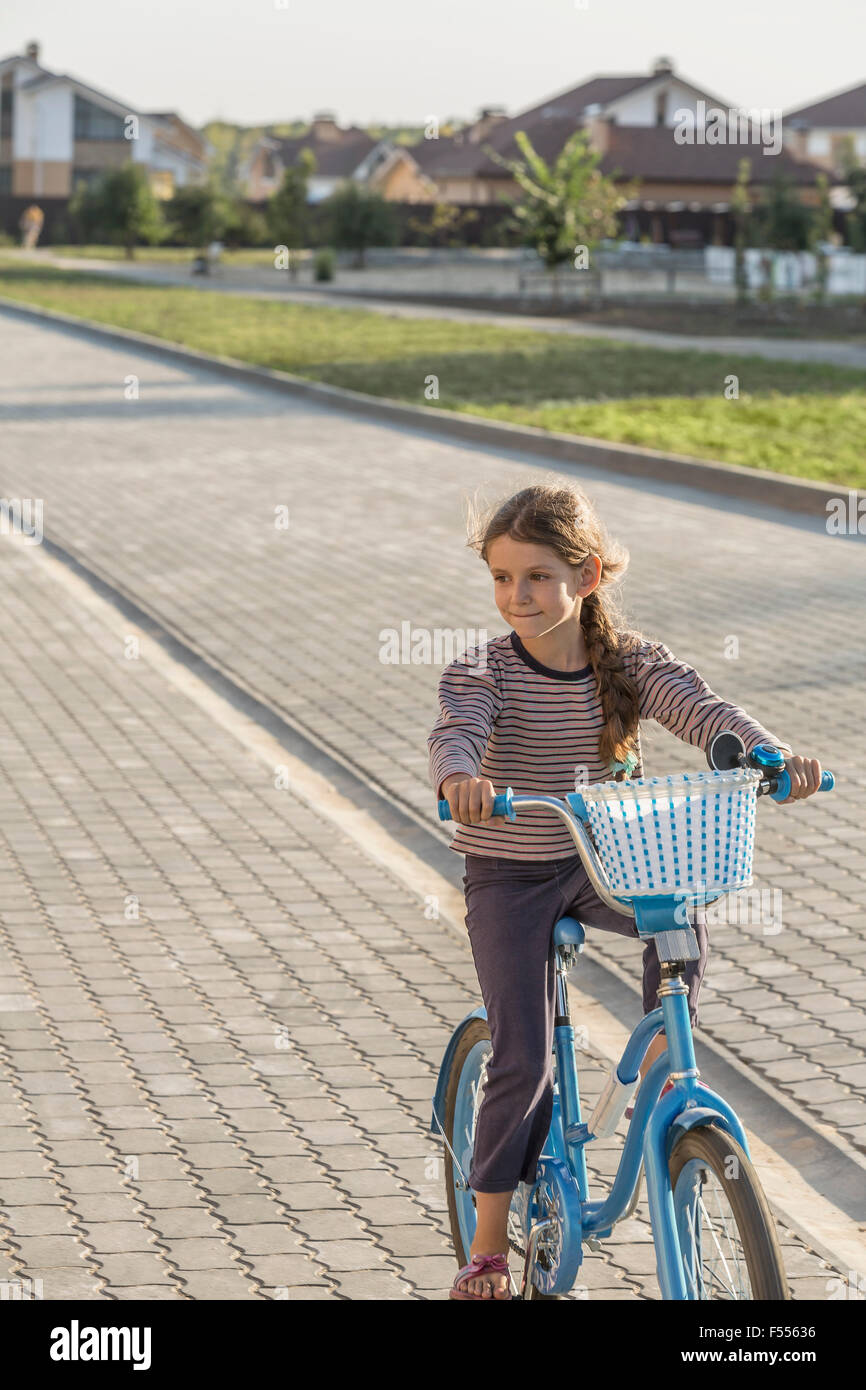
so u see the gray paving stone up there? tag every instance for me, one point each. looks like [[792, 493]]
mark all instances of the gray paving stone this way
[[217, 1284], [304, 1293], [114, 1237], [373, 1285], [48, 1252], [348, 1254], [65, 1284], [39, 1221], [147, 1293]]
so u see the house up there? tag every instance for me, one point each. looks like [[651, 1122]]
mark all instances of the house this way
[[819, 132], [56, 132], [341, 154], [684, 187]]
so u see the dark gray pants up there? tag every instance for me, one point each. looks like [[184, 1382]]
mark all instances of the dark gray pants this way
[[512, 907]]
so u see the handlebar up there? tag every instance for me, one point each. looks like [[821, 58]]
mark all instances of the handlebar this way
[[776, 783]]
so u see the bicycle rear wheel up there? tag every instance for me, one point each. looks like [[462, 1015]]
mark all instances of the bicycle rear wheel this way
[[726, 1230], [464, 1092], [463, 1095]]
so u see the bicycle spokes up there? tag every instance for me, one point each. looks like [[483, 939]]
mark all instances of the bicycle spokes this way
[[713, 1255]]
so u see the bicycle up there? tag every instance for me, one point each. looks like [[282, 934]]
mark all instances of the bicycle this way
[[650, 846]]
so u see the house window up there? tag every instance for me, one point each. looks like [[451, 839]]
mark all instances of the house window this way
[[5, 112], [5, 178], [95, 123], [661, 106]]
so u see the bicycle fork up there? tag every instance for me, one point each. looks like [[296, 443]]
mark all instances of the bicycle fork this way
[[687, 1104]]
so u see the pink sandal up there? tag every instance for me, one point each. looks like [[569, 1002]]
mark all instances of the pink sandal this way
[[476, 1266]]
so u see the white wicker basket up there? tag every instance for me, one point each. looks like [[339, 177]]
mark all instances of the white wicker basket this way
[[691, 833]]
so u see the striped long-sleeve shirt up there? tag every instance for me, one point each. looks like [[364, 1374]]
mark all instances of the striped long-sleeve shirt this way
[[525, 726]]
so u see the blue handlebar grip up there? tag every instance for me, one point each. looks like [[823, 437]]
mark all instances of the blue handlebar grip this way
[[783, 790], [501, 806]]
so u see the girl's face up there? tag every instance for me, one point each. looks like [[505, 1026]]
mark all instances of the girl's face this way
[[534, 588]]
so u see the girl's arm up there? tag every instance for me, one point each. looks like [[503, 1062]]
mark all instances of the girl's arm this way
[[675, 695], [469, 701]]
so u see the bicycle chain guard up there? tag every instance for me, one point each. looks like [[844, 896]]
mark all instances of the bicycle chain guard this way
[[553, 1196]]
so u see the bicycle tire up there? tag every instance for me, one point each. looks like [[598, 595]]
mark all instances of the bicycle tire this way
[[713, 1147], [475, 1032]]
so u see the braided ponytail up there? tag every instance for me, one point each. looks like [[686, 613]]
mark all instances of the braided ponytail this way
[[563, 518]]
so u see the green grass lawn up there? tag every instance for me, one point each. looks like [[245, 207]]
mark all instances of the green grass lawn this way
[[161, 255], [803, 419]]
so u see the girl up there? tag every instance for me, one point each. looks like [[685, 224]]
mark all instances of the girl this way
[[557, 698]]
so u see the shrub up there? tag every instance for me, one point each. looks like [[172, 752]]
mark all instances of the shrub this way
[[324, 265]]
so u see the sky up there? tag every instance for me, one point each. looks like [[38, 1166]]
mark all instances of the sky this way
[[400, 62]]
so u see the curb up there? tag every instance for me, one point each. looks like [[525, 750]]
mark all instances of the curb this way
[[727, 480]]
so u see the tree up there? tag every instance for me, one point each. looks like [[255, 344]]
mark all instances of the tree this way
[[782, 220], [820, 233], [359, 219], [121, 208], [566, 205], [444, 226], [197, 214], [287, 210], [855, 221], [244, 226], [742, 211], [782, 223]]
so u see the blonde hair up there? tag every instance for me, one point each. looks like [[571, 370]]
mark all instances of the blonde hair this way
[[562, 517]]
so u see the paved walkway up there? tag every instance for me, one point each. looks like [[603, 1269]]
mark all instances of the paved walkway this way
[[256, 283], [221, 1023], [173, 498]]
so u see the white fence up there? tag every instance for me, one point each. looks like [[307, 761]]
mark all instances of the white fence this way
[[792, 270]]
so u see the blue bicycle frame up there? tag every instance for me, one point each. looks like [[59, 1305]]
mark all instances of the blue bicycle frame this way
[[653, 1130], [657, 1120]]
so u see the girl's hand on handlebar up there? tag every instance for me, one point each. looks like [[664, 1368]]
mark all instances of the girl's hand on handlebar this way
[[471, 800], [805, 775]]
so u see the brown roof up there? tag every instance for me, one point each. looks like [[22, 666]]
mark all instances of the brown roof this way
[[334, 158], [599, 90], [548, 125], [650, 152], [636, 152], [844, 109]]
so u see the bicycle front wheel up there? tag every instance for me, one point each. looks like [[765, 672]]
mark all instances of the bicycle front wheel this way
[[726, 1230]]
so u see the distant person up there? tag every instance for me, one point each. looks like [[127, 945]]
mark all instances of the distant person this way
[[31, 222]]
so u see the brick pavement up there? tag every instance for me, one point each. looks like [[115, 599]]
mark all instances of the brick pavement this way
[[220, 1022], [173, 497]]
